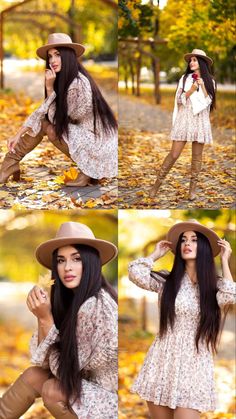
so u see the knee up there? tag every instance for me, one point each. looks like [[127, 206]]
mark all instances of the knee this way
[[51, 133], [49, 392], [174, 154], [33, 375]]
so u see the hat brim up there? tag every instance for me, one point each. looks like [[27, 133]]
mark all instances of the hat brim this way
[[42, 51], [206, 58], [44, 251], [179, 228]]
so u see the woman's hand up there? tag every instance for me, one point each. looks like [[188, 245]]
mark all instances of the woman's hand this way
[[161, 249], [39, 304], [226, 250], [12, 141], [50, 77], [200, 82]]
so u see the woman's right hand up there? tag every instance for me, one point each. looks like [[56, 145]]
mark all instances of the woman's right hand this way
[[12, 141], [161, 249], [38, 303], [50, 77]]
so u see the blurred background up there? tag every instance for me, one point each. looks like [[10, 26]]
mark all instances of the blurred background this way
[[139, 231], [20, 233]]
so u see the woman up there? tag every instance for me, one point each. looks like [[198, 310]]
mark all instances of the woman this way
[[195, 97], [74, 115], [75, 346], [176, 379]]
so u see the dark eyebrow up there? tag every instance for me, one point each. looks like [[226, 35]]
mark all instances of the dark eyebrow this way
[[72, 254], [194, 235], [56, 51]]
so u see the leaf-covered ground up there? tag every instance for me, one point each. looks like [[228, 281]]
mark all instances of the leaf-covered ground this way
[[133, 346], [143, 145]]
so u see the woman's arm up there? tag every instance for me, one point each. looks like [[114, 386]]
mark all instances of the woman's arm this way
[[39, 304], [12, 141], [193, 89], [226, 293], [225, 254], [140, 269]]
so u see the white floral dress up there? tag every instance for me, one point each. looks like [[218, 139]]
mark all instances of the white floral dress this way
[[173, 373], [97, 351], [95, 155], [188, 126]]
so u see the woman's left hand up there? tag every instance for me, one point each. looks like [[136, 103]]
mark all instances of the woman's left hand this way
[[200, 81], [226, 250], [38, 303], [50, 77]]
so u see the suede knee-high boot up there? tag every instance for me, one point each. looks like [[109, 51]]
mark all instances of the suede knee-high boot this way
[[59, 410], [17, 399], [10, 165], [196, 166], [164, 170]]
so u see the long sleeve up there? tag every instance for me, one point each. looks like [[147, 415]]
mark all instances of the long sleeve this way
[[226, 293], [34, 121], [97, 333], [139, 274], [79, 99], [40, 353], [181, 97]]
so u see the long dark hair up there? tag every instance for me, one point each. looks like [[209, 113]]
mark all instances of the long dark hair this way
[[210, 314], [207, 78], [65, 305], [70, 69]]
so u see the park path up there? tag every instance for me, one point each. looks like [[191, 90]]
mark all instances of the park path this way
[[144, 142], [38, 189]]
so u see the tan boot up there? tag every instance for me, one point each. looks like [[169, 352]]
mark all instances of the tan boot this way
[[17, 400], [195, 170], [59, 410], [10, 165], [50, 132], [61, 145], [164, 170], [81, 181]]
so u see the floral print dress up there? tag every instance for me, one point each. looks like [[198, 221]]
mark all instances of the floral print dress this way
[[173, 373], [95, 155], [187, 126], [97, 351]]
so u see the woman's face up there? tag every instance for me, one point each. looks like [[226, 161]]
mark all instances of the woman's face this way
[[69, 266], [54, 57], [189, 245], [193, 64]]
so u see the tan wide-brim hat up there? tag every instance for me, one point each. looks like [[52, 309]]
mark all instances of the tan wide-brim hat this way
[[198, 53], [74, 233], [193, 225], [59, 40]]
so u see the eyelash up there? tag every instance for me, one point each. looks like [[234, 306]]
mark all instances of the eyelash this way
[[183, 240], [76, 259]]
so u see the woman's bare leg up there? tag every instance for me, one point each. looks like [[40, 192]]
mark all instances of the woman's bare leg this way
[[160, 412], [55, 401], [182, 413], [36, 377], [169, 161]]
